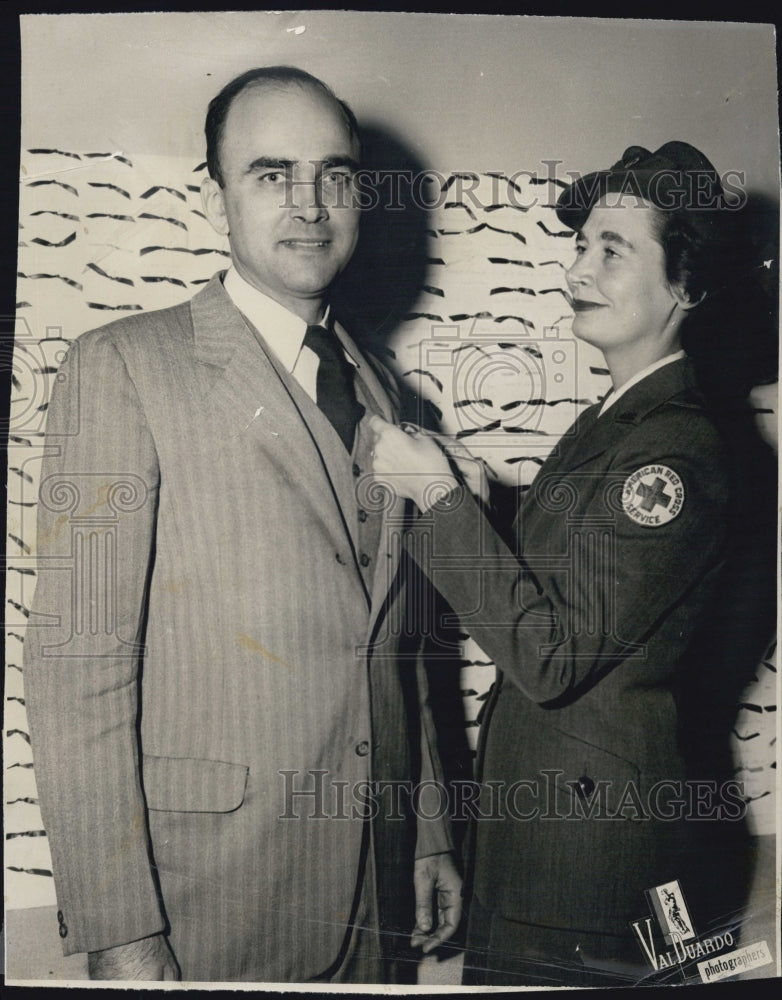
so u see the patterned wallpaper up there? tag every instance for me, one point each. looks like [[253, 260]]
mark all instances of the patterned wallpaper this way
[[487, 343]]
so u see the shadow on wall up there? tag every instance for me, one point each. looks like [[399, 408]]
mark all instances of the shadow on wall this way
[[378, 289], [734, 339], [389, 267]]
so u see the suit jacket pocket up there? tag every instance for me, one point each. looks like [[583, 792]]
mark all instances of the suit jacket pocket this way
[[586, 767], [190, 784]]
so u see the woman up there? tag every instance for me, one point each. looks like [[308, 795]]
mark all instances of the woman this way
[[593, 790]]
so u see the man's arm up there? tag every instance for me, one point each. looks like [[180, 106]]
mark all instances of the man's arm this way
[[96, 521]]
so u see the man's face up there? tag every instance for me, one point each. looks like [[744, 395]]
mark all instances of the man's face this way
[[287, 161]]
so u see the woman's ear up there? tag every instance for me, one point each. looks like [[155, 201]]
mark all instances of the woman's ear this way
[[683, 298]]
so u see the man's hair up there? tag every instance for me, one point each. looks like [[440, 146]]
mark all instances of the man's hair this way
[[279, 75]]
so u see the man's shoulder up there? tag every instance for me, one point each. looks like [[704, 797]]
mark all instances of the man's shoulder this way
[[143, 328]]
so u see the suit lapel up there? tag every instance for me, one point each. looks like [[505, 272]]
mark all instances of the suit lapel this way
[[260, 399], [395, 515]]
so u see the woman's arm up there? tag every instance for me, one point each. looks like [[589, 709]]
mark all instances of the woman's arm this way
[[597, 584]]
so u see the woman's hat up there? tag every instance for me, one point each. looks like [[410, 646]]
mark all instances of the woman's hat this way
[[676, 176]]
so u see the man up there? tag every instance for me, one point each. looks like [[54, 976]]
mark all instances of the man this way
[[203, 717]]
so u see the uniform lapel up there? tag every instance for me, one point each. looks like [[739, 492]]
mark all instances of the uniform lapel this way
[[596, 434], [593, 435]]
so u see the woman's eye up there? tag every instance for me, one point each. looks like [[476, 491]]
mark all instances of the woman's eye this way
[[610, 253]]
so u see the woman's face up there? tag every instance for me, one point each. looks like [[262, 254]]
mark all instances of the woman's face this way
[[620, 291]]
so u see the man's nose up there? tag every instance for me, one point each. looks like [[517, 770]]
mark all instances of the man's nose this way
[[306, 201]]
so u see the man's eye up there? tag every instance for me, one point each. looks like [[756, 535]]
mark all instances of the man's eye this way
[[336, 178], [610, 253], [579, 248], [272, 177]]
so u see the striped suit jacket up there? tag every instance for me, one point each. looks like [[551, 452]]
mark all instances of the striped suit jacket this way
[[202, 642]]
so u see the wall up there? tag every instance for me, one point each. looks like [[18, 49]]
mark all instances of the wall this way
[[111, 222]]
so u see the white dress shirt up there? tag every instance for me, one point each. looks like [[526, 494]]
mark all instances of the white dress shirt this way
[[612, 397], [282, 330]]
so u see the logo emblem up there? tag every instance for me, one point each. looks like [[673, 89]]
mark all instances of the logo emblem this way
[[653, 496], [671, 911]]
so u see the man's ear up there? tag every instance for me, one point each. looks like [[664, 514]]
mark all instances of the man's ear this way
[[683, 298], [213, 200]]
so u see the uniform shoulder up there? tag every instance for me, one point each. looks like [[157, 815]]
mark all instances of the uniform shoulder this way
[[682, 423]]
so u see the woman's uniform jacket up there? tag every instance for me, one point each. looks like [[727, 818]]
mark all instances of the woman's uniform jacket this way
[[216, 625], [589, 624]]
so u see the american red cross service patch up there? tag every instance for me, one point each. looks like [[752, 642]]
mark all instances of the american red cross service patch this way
[[653, 496]]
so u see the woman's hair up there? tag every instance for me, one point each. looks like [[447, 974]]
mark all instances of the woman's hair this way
[[695, 249], [717, 260]]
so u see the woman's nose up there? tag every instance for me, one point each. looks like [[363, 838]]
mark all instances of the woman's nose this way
[[579, 273]]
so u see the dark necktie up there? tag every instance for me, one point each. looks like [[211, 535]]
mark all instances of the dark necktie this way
[[334, 385]]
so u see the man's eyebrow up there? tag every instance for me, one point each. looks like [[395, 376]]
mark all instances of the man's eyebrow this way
[[279, 163], [269, 163], [339, 161]]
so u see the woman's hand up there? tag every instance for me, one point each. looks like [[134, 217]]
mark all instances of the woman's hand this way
[[412, 464]]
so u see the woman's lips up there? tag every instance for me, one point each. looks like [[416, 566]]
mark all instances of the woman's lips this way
[[581, 305]]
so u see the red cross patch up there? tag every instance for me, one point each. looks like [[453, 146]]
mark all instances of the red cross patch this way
[[653, 495]]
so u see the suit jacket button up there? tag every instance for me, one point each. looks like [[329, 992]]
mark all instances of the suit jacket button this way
[[362, 748], [338, 557], [60, 917], [362, 515], [586, 785], [63, 930], [364, 560], [356, 470]]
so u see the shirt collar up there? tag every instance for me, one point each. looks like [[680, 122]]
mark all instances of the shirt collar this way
[[282, 330], [612, 397]]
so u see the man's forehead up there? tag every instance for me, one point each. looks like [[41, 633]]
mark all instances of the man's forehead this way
[[270, 98]]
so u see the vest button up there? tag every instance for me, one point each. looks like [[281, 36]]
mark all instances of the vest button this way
[[63, 930], [339, 558], [362, 515], [356, 470], [362, 748], [364, 560]]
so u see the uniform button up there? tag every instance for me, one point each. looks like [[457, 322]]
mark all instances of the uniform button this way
[[364, 560], [362, 748], [362, 515], [586, 785], [356, 470]]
